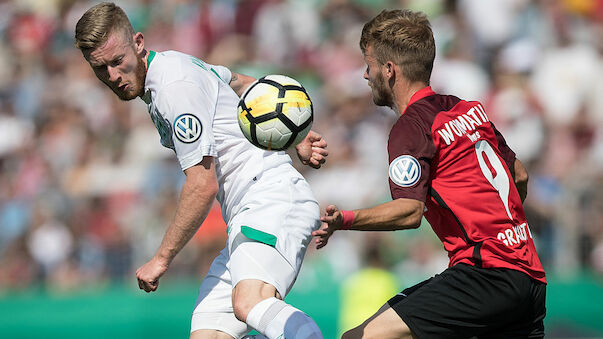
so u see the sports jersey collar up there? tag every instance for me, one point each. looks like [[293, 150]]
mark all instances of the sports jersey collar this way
[[150, 58], [146, 97], [420, 94]]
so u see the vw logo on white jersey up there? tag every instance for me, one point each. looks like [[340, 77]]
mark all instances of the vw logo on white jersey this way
[[405, 171], [187, 128]]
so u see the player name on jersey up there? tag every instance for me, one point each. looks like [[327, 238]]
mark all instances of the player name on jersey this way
[[463, 124], [515, 235]]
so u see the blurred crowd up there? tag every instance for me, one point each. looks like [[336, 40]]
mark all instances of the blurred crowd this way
[[86, 190]]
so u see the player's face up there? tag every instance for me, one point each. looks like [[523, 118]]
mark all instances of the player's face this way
[[118, 63], [382, 94]]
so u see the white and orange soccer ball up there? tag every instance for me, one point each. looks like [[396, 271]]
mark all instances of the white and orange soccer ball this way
[[275, 112]]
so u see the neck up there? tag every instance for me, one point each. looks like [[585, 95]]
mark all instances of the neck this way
[[145, 62], [403, 91], [146, 58]]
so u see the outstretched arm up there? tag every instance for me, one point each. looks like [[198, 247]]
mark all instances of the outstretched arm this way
[[240, 82], [394, 215], [196, 198]]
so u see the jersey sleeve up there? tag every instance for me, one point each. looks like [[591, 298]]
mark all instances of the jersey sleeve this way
[[410, 150], [190, 109], [222, 72], [505, 151]]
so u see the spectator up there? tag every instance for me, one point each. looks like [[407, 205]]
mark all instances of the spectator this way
[[538, 64]]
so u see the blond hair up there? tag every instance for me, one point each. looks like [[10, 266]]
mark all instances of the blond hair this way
[[94, 27], [403, 37]]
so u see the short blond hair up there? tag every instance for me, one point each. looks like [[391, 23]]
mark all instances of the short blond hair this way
[[95, 26], [403, 37]]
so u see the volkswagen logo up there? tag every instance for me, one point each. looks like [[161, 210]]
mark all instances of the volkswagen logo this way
[[405, 171], [187, 128]]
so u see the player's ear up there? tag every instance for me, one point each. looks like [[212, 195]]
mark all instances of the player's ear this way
[[139, 43], [390, 70]]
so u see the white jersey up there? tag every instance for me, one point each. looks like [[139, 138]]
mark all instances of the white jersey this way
[[195, 112]]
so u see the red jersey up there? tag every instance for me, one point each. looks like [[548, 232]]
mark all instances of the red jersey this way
[[445, 152]]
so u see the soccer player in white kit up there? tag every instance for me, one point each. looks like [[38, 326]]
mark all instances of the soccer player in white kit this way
[[268, 206]]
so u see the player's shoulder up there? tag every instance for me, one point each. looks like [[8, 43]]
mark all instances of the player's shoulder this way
[[422, 112], [429, 106], [173, 68], [429, 111], [409, 129], [418, 118]]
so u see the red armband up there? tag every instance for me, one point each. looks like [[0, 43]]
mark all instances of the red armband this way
[[348, 219]]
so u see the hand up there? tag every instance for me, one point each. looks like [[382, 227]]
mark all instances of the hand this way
[[331, 221], [312, 151], [148, 274]]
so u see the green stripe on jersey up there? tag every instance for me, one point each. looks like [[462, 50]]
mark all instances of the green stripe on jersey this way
[[216, 73], [257, 235], [203, 65]]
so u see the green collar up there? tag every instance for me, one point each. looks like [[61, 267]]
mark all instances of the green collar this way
[[150, 58], [146, 97]]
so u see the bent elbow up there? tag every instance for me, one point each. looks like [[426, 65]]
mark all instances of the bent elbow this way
[[212, 189], [405, 213], [205, 189], [521, 178], [520, 174], [414, 222]]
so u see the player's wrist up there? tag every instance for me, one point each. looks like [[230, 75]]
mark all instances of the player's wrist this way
[[347, 219], [164, 257]]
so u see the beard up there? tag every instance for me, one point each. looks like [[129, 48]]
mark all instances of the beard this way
[[382, 96], [137, 86]]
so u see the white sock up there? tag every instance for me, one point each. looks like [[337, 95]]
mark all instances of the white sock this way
[[277, 320]]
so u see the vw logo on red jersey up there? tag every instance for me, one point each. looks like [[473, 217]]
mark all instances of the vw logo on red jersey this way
[[187, 128], [405, 171]]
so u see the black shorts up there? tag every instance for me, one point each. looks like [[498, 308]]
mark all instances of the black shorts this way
[[466, 301]]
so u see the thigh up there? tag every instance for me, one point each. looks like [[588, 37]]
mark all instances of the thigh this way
[[278, 221], [253, 260], [281, 213], [462, 302], [213, 309], [531, 323], [384, 324]]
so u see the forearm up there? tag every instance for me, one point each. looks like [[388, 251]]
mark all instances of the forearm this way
[[398, 214], [240, 82], [194, 205]]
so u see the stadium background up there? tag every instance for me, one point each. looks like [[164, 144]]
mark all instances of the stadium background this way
[[86, 191]]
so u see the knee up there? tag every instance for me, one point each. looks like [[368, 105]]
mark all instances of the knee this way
[[241, 306], [247, 293], [244, 300]]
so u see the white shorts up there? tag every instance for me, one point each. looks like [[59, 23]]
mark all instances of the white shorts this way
[[267, 241]]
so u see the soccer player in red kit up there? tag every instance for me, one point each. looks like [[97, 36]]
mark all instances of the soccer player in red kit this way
[[450, 164]]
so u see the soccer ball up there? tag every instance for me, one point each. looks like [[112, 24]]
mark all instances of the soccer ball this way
[[275, 112]]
